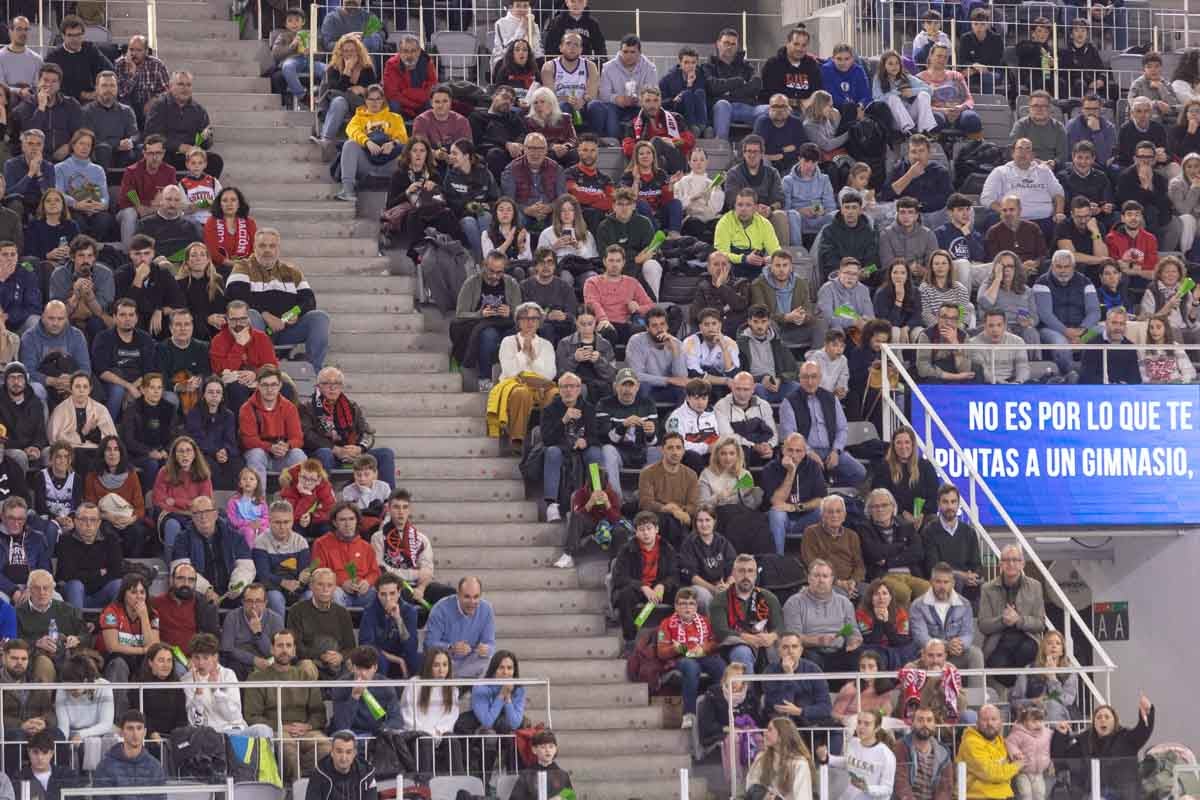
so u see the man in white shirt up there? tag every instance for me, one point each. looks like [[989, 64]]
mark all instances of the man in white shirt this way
[[218, 707], [1033, 183], [527, 356]]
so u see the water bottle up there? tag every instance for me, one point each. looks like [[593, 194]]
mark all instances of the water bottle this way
[[52, 631]]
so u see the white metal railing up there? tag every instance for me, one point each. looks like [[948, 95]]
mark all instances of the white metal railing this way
[[892, 360], [1084, 673], [226, 788]]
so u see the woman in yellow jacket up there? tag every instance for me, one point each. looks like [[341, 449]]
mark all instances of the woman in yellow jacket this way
[[989, 769], [376, 135]]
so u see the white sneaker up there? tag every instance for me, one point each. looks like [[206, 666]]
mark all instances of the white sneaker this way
[[565, 561], [553, 514], [485, 385], [689, 721]]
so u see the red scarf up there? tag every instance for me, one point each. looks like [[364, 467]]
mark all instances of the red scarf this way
[[403, 547], [335, 419], [736, 613], [243, 238], [654, 127], [696, 633], [650, 563]]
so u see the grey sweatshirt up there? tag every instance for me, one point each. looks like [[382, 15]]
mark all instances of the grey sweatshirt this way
[[653, 364], [1011, 366], [1049, 140], [834, 294], [807, 614], [614, 76], [1185, 198], [911, 245]]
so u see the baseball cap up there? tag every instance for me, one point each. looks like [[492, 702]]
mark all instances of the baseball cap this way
[[625, 375]]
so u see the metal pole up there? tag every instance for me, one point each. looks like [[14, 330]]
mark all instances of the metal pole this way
[[421, 24], [1104, 364], [399, 785], [26, 791], [1095, 765], [745, 39], [229, 788], [954, 42], [823, 782], [683, 784], [1187, 14], [886, 388], [262, 29], [731, 744], [541, 776], [42, 24], [637, 22], [961, 787], [1054, 52], [312, 96]]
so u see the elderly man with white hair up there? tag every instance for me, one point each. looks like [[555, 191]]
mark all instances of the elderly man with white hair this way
[[831, 541], [1012, 615], [1067, 306], [281, 301], [336, 431]]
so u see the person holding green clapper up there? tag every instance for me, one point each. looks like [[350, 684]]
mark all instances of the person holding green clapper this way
[[645, 570], [1122, 364], [352, 18], [825, 621], [686, 643], [403, 551], [369, 707], [176, 116], [558, 782]]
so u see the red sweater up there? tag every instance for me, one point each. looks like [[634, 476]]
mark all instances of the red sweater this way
[[258, 427], [659, 127], [399, 87], [225, 243], [225, 353], [336, 554], [147, 186], [1120, 243], [610, 299], [180, 495]]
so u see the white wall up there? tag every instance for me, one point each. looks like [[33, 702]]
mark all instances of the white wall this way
[[1157, 576]]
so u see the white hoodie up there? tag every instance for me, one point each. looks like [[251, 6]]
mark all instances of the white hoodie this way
[[509, 29], [875, 766], [219, 707]]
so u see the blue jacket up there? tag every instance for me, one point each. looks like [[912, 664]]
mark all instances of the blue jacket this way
[[673, 83], [1104, 139], [17, 180], [776, 138], [116, 769], [8, 621], [850, 86], [37, 556], [351, 714], [801, 192], [380, 631], [1074, 304], [811, 696], [488, 706], [189, 544], [925, 623], [212, 433], [447, 625], [36, 344], [970, 247], [267, 563], [21, 295], [931, 189]]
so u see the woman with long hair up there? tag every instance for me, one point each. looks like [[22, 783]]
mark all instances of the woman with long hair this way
[[878, 694], [416, 188], [344, 87], [128, 629], [706, 557], [1161, 361], [1184, 136], [867, 758], [508, 236], [547, 118], [713, 716], [1116, 747], [214, 427], [1184, 191], [85, 186], [940, 287], [51, 229], [229, 232], [165, 708], [122, 522], [883, 623], [1008, 290], [736, 509], [784, 767], [573, 244], [906, 96], [909, 476], [821, 122], [1163, 299], [470, 191], [58, 487], [433, 711], [655, 189], [865, 361], [517, 68], [1185, 81], [184, 477], [898, 302], [1056, 692], [203, 287]]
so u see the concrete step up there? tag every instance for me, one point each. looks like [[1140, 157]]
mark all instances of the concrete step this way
[[497, 558], [168, 9], [238, 153], [171, 27], [341, 342], [317, 246], [605, 695], [526, 580], [401, 428], [574, 670], [591, 719], [247, 134], [249, 174], [438, 447], [435, 405], [607, 646], [551, 603], [523, 534], [348, 322], [352, 303], [442, 491], [207, 71], [599, 769], [407, 363], [374, 266], [273, 189], [445, 382], [172, 50], [555, 625], [605, 788], [472, 512], [360, 284], [314, 211], [479, 468], [585, 744], [337, 226], [275, 117]]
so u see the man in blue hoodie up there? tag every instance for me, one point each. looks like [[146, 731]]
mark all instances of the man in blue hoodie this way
[[847, 83], [20, 291], [128, 763], [352, 711], [52, 335]]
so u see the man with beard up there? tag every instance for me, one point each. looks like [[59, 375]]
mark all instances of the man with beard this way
[[792, 71], [52, 111], [409, 78], [148, 279], [1081, 234], [19, 63], [141, 185], [343, 773], [943, 614], [218, 553], [79, 60], [782, 133], [184, 123], [1021, 236], [1082, 179], [238, 351], [484, 316], [114, 124], [23, 415], [923, 768], [25, 713], [1032, 182], [793, 487], [588, 184], [671, 138], [498, 131], [746, 619], [671, 490], [657, 358], [141, 77], [182, 613], [122, 355], [301, 709], [87, 286], [990, 770]]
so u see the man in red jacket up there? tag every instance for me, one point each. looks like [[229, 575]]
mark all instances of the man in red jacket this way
[[1134, 247], [408, 78], [269, 427], [236, 353], [351, 558]]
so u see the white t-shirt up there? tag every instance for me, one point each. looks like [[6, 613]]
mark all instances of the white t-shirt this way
[[875, 766]]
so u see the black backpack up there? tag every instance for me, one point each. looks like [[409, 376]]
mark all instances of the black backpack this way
[[198, 752], [868, 142], [976, 157], [783, 575]]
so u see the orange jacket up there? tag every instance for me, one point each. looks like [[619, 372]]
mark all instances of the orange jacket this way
[[332, 552]]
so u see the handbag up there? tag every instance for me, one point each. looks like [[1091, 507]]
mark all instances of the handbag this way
[[117, 508], [524, 739]]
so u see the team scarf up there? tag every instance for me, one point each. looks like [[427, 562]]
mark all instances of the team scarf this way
[[689, 634], [642, 125], [912, 682], [736, 613], [403, 547], [242, 233], [336, 419]]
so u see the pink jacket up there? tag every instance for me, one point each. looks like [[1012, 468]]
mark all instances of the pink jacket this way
[[1033, 747], [249, 529]]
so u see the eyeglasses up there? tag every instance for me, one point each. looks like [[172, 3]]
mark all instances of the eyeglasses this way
[[207, 512], [330, 383]]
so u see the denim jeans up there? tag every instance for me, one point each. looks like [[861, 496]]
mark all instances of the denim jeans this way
[[692, 669], [75, 595], [347, 600], [473, 228], [311, 330], [335, 116], [489, 349], [261, 461], [384, 456], [552, 469], [786, 389], [848, 472], [292, 67], [968, 121], [784, 524], [605, 118], [725, 113], [692, 105], [669, 217], [276, 603], [798, 226], [611, 458]]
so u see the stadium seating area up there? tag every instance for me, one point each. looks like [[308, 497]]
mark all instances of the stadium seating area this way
[[583, 414]]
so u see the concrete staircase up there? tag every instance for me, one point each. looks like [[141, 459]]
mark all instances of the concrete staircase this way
[[469, 499]]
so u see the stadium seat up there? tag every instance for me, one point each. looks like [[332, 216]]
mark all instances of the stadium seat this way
[[505, 785], [258, 791], [447, 787], [299, 788], [97, 33], [457, 55], [860, 431], [1127, 66]]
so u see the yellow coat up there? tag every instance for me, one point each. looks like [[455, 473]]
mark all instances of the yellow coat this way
[[989, 771], [497, 406], [364, 122]]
